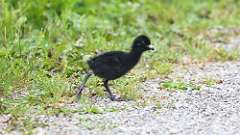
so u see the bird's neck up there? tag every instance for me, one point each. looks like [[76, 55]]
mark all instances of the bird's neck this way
[[136, 52], [135, 56]]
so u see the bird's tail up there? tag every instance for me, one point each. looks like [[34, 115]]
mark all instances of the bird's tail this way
[[81, 87]]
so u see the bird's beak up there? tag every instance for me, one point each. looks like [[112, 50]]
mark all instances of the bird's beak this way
[[151, 47]]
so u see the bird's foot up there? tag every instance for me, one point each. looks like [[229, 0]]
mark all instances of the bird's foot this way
[[116, 98]]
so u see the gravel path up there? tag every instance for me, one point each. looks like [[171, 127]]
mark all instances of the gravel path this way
[[213, 110]]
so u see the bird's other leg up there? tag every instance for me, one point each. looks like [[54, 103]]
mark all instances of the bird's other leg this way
[[112, 97], [81, 87]]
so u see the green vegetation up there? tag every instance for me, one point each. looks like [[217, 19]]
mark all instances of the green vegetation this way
[[174, 85], [211, 81], [180, 85], [44, 45]]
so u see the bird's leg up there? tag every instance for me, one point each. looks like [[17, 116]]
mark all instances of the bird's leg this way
[[112, 97], [105, 83], [81, 87]]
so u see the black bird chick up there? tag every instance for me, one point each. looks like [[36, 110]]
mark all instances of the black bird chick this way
[[114, 64]]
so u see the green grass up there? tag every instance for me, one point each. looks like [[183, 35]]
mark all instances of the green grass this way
[[211, 81], [179, 85], [44, 44]]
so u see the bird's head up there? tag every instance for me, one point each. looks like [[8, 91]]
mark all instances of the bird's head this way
[[142, 43]]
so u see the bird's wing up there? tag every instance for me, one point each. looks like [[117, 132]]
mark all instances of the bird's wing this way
[[109, 65], [111, 60]]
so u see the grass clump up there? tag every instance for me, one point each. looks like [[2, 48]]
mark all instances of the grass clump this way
[[172, 85], [211, 81], [49, 90]]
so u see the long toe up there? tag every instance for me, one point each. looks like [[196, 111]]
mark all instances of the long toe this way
[[116, 98]]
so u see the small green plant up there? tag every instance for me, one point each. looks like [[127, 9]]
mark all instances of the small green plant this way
[[49, 90], [96, 86], [158, 69], [211, 81], [223, 55], [127, 87], [158, 105], [93, 109], [173, 85]]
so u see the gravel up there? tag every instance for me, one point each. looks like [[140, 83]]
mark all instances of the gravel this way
[[215, 109]]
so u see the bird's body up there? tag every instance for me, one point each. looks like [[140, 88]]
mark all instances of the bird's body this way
[[114, 64]]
